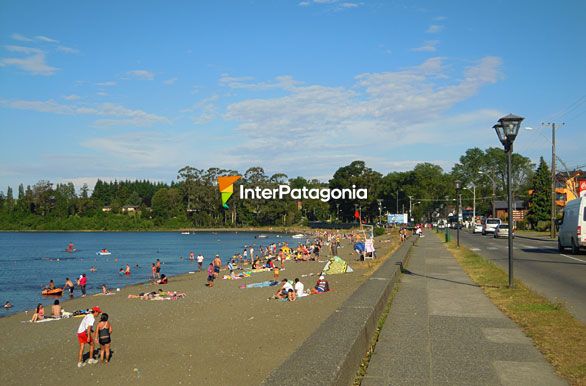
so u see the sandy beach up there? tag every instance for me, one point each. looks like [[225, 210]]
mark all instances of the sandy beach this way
[[215, 336]]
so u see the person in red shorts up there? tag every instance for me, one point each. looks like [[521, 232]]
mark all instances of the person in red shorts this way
[[84, 336]]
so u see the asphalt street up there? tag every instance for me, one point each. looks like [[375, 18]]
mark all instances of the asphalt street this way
[[561, 277]]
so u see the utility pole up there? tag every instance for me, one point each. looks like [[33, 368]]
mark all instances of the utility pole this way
[[410, 207], [397, 201], [553, 178]]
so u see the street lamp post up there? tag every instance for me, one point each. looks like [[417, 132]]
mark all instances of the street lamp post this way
[[380, 209], [473, 201], [397, 201], [458, 187], [507, 130], [410, 208], [337, 212]]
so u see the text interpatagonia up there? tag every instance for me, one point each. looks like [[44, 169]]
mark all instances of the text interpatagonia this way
[[305, 193]]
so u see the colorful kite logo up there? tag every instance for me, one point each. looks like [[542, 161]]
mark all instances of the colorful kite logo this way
[[226, 186]]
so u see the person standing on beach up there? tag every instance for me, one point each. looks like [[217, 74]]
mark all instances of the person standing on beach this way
[[102, 335], [82, 282], [199, 262], [217, 265], [68, 286], [84, 336], [211, 275], [153, 271]]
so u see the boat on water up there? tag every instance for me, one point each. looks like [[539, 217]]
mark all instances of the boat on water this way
[[54, 291], [104, 252], [262, 236], [185, 233], [298, 236]]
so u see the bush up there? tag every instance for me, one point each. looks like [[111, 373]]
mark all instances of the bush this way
[[522, 225], [379, 231], [542, 226]]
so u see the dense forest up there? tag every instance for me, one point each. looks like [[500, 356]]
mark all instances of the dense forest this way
[[193, 199]]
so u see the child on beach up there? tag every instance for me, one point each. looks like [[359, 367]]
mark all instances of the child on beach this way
[[102, 335], [211, 275], [200, 262], [276, 273]]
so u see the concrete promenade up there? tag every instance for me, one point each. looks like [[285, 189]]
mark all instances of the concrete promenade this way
[[443, 330]]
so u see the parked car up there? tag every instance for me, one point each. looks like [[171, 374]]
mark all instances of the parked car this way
[[502, 230], [489, 225], [572, 232], [477, 228]]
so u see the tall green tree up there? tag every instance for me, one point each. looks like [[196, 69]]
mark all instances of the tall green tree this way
[[540, 197]]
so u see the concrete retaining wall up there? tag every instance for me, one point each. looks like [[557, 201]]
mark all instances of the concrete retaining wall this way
[[332, 354]]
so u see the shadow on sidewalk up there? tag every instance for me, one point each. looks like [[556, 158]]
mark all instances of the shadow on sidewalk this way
[[407, 272]]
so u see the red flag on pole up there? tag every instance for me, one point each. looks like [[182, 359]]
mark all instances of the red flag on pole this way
[[356, 214]]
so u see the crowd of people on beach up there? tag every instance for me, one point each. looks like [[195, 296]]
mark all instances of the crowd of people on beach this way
[[250, 259]]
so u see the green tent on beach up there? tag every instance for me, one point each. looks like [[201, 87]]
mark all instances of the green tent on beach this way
[[336, 265]]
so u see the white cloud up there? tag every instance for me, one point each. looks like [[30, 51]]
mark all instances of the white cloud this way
[[246, 82], [170, 81], [335, 5], [72, 97], [109, 83], [67, 50], [23, 50], [33, 61], [380, 111], [435, 28], [45, 39], [142, 74], [206, 110], [20, 38], [102, 93], [118, 115], [428, 46]]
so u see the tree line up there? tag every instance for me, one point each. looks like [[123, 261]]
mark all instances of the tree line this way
[[193, 199]]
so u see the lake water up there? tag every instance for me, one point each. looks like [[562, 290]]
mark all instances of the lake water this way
[[29, 260]]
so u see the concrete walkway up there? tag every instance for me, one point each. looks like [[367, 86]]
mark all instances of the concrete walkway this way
[[443, 330]]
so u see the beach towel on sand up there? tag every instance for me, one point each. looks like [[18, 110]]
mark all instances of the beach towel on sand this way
[[336, 265], [268, 283]]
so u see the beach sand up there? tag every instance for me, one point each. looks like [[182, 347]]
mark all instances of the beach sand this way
[[215, 336]]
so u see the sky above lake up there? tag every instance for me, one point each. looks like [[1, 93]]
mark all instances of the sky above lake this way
[[139, 89]]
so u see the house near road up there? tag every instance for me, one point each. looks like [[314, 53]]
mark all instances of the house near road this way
[[520, 209]]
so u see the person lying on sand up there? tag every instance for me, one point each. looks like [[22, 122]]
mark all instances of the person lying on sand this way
[[160, 295]]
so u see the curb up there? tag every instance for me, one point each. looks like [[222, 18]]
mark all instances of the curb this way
[[332, 354]]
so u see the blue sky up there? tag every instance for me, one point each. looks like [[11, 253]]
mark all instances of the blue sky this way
[[135, 89]]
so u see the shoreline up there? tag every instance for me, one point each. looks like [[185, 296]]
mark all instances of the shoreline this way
[[189, 340], [195, 230]]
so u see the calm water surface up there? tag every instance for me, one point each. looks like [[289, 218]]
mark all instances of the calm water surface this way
[[29, 260]]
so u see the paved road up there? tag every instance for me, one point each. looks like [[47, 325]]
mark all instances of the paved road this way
[[558, 276]]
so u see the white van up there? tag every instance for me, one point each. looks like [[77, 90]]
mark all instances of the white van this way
[[489, 225], [572, 232]]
